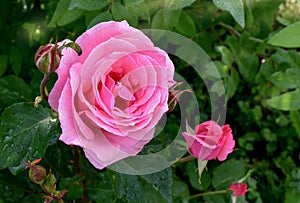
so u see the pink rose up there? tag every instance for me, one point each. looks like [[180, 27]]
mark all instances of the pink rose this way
[[239, 189], [210, 141], [110, 98]]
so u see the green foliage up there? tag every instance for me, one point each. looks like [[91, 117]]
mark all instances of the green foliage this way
[[253, 44], [288, 37], [236, 9], [289, 101], [25, 134], [156, 187]]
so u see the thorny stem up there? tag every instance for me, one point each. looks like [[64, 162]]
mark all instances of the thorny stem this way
[[208, 193], [43, 86], [85, 197]]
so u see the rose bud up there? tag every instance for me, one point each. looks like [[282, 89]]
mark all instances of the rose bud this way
[[37, 174], [239, 189], [174, 96], [47, 58], [210, 141]]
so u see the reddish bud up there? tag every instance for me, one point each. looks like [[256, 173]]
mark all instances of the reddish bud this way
[[239, 189], [37, 174], [47, 58]]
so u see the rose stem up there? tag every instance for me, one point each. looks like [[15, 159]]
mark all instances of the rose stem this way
[[85, 197], [208, 193], [43, 86]]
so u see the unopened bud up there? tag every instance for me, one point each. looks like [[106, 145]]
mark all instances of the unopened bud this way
[[47, 58], [174, 96], [37, 174]]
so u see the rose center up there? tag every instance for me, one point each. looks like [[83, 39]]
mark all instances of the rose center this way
[[123, 96]]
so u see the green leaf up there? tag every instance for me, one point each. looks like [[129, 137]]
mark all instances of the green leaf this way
[[62, 16], [155, 187], [3, 63], [158, 21], [288, 37], [171, 17], [227, 56], [13, 89], [295, 118], [186, 25], [287, 102], [102, 17], [235, 7], [248, 65], [292, 197], [120, 12], [90, 5], [285, 163], [101, 189], [191, 170], [231, 83], [25, 133], [139, 8], [214, 199], [180, 191], [227, 173], [287, 79], [177, 4]]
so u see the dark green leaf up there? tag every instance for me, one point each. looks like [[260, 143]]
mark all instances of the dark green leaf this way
[[285, 163], [289, 101], [232, 82], [192, 172], [89, 5], [214, 199], [156, 187], [295, 119], [248, 65], [289, 37], [186, 25], [13, 89], [62, 16], [120, 13], [102, 17], [228, 172], [180, 192], [25, 132], [235, 7], [100, 189]]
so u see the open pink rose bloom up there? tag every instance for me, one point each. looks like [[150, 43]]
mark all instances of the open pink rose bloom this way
[[110, 98], [210, 141]]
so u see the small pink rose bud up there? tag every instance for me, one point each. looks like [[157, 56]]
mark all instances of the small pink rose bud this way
[[37, 174], [210, 141], [47, 58], [239, 189]]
